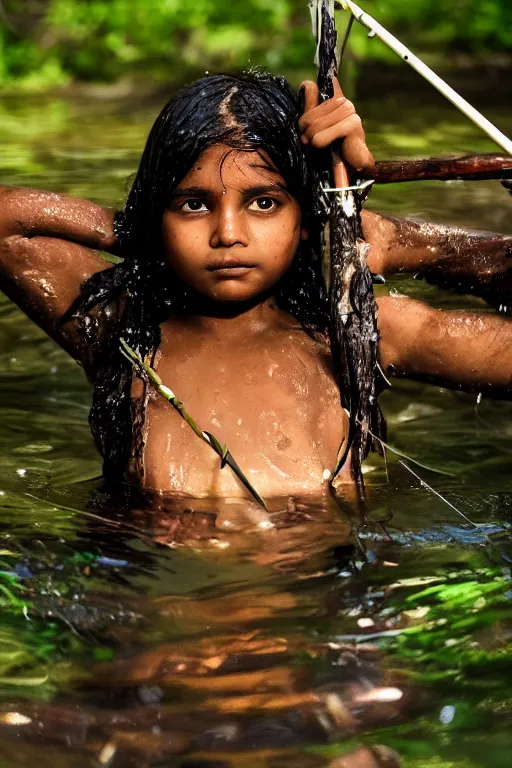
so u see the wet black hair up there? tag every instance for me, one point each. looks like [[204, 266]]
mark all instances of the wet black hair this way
[[252, 112]]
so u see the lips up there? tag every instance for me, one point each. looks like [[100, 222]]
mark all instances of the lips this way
[[222, 265]]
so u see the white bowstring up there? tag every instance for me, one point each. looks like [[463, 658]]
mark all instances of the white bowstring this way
[[355, 188]]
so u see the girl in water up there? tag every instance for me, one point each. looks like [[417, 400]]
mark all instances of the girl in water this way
[[220, 288]]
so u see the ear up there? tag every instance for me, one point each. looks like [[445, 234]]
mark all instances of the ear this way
[[304, 234]]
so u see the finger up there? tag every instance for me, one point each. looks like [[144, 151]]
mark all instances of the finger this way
[[339, 130], [323, 109], [342, 104], [318, 120], [310, 95], [340, 174], [355, 151], [357, 154], [338, 93]]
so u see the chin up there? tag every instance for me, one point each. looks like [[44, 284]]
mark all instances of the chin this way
[[236, 295]]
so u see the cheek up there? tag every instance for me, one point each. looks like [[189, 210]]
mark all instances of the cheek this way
[[180, 243], [284, 244], [169, 232]]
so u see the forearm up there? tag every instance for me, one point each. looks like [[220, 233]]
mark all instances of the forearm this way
[[447, 256], [468, 350], [33, 213]]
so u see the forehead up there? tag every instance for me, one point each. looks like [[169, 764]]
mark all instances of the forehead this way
[[226, 166]]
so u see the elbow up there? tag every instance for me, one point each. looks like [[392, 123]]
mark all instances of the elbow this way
[[12, 214], [6, 199]]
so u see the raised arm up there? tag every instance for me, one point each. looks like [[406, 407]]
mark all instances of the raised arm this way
[[46, 243], [456, 348], [480, 264]]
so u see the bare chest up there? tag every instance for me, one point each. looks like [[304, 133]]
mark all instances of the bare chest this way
[[275, 404]]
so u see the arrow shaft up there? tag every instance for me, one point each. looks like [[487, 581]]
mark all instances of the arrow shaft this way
[[416, 63]]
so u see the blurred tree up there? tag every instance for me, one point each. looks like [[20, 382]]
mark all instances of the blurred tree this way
[[49, 42]]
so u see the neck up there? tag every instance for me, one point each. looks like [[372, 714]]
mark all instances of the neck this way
[[245, 317], [231, 319]]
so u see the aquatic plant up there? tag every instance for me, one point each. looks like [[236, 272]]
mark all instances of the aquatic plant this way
[[39, 633], [450, 639], [226, 457]]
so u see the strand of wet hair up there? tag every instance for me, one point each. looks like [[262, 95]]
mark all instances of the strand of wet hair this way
[[143, 286], [352, 308]]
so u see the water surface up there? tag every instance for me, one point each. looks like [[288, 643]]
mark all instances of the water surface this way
[[213, 635]]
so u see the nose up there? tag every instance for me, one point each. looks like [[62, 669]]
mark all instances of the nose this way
[[228, 227]]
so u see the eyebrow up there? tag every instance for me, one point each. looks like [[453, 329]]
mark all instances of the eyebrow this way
[[264, 189]]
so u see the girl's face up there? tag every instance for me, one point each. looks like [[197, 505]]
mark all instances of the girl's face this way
[[231, 230]]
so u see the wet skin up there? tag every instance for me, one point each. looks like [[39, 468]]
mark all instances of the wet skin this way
[[247, 361], [245, 370], [231, 229]]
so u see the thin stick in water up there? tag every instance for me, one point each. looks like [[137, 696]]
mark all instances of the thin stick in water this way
[[424, 484]]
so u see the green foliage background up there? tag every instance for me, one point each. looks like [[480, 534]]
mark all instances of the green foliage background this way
[[46, 43]]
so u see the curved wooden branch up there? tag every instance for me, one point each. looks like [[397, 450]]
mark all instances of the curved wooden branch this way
[[465, 167]]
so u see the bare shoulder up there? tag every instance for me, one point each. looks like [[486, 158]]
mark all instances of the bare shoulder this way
[[309, 353], [43, 276], [288, 326], [48, 245]]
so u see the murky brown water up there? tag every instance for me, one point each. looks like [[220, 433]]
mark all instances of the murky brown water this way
[[212, 635]]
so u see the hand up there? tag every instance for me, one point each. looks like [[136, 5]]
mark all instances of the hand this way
[[323, 124]]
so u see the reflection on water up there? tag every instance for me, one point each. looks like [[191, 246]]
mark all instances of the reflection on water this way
[[145, 633]]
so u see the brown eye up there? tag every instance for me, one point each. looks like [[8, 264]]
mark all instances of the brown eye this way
[[193, 205], [263, 204]]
